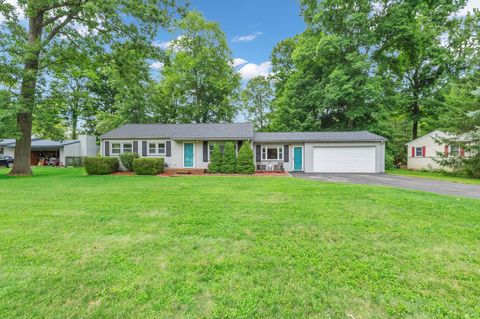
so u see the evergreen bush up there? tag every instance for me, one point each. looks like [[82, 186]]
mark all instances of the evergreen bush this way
[[215, 165], [245, 163], [229, 160]]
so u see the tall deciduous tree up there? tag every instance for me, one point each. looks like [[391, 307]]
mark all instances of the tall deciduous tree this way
[[330, 85], [257, 98], [420, 49], [199, 82], [56, 24]]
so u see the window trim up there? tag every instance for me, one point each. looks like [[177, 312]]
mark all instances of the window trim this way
[[119, 148], [157, 148], [279, 148], [122, 147], [417, 153], [450, 152]]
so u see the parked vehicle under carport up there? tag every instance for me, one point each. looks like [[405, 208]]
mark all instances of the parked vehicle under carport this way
[[6, 161]]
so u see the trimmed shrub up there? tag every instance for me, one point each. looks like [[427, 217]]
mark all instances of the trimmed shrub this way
[[127, 160], [215, 165], [229, 160], [101, 165], [148, 166], [245, 163]]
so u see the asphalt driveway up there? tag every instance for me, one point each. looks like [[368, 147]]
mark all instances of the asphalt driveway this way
[[421, 184]]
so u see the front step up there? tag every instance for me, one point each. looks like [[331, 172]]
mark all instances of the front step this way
[[184, 171]]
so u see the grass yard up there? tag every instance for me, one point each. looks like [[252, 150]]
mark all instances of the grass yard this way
[[434, 175], [237, 247]]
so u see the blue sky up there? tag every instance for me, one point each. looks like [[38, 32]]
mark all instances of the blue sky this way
[[253, 28]]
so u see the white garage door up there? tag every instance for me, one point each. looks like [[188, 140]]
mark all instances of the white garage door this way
[[346, 159]]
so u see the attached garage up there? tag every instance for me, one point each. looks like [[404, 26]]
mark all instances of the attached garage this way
[[323, 152], [344, 159]]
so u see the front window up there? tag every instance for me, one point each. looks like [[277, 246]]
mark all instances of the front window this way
[[161, 148], [454, 150], [1, 150], [116, 148], [418, 152], [272, 153], [127, 148], [152, 148], [156, 148]]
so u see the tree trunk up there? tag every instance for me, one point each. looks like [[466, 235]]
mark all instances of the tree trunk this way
[[23, 146], [415, 130], [74, 124], [415, 117]]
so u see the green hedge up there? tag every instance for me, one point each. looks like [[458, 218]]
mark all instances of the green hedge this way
[[148, 166], [101, 165], [127, 160]]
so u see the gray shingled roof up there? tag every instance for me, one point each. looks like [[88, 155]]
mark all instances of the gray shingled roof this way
[[361, 136], [44, 144], [6, 141], [183, 131]]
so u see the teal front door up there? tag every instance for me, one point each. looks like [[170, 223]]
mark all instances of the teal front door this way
[[188, 155], [298, 158]]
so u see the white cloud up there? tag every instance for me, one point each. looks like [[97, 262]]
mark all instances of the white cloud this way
[[18, 10], [162, 44], [157, 65], [471, 4], [247, 38], [238, 62], [251, 70]]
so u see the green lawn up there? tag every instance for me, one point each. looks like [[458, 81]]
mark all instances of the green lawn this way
[[434, 175], [238, 247]]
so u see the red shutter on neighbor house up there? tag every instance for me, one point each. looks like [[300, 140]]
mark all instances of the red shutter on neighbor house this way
[[424, 151], [446, 150], [462, 152], [413, 151]]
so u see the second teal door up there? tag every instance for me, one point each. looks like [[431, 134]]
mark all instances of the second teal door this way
[[298, 158]]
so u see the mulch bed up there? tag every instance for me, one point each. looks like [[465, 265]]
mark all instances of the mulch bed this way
[[124, 173], [273, 173]]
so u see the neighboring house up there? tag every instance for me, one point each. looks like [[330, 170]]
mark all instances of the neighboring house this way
[[66, 152], [423, 151], [190, 146]]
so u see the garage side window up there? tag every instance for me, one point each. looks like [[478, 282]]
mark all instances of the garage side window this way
[[272, 152]]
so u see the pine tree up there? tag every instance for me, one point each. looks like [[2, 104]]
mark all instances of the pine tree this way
[[229, 161], [215, 165], [245, 163]]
